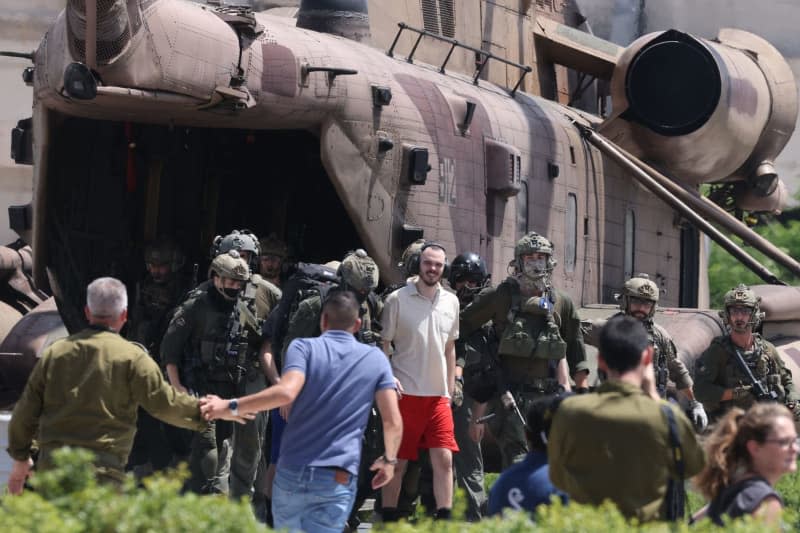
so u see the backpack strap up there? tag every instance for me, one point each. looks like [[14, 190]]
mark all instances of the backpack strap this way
[[675, 501]]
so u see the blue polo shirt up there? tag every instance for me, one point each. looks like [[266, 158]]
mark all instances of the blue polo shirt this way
[[523, 486], [329, 415]]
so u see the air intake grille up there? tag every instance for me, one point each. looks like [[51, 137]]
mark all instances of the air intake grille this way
[[438, 16]]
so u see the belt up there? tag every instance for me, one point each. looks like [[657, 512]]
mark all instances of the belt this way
[[537, 385]]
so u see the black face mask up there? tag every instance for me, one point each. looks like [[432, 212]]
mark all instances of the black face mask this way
[[231, 293]]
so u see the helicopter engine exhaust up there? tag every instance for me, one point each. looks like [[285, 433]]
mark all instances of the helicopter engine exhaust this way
[[706, 111], [117, 21], [345, 18]]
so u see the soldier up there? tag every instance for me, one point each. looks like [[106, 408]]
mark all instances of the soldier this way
[[209, 350], [468, 276], [537, 327], [267, 294], [84, 391], [157, 295], [272, 258], [639, 300], [262, 296], [741, 368], [357, 273]]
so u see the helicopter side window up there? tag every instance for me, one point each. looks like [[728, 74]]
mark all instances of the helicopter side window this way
[[630, 242], [522, 209], [571, 237]]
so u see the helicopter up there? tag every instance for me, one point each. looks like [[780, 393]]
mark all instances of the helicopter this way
[[344, 124]]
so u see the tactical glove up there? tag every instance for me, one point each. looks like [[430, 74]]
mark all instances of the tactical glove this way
[[698, 415], [458, 393]]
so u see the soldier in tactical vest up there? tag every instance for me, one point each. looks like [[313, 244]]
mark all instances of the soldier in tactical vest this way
[[267, 294], [157, 295], [538, 327], [272, 257], [639, 300], [741, 368], [357, 273], [211, 348], [468, 276]]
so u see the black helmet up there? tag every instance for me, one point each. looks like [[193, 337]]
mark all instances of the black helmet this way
[[470, 267]]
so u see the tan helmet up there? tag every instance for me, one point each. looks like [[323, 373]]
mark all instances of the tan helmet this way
[[409, 262], [230, 265], [272, 245], [534, 243], [358, 271], [642, 287], [742, 296]]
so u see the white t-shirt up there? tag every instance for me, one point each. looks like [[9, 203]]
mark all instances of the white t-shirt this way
[[420, 328]]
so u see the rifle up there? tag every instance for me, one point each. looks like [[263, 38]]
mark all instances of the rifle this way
[[241, 321], [759, 390]]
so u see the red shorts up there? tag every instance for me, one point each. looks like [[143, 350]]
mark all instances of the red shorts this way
[[427, 423]]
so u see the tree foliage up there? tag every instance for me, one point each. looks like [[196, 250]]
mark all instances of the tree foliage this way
[[725, 272], [69, 500]]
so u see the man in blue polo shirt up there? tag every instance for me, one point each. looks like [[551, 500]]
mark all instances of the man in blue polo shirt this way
[[331, 381], [525, 485]]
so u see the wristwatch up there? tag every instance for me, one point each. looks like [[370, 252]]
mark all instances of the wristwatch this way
[[389, 461], [233, 405]]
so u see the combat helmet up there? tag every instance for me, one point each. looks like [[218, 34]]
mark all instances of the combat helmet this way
[[164, 252], [468, 266], [642, 287], [272, 245], [742, 296], [409, 262], [359, 272], [239, 240], [535, 243], [230, 265]]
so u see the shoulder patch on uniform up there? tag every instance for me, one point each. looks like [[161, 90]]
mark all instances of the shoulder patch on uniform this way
[[180, 321]]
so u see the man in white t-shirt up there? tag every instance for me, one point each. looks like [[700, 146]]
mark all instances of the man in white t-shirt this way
[[421, 321]]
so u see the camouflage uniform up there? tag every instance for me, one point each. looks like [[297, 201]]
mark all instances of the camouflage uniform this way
[[717, 369], [667, 364], [533, 338], [156, 442], [198, 342]]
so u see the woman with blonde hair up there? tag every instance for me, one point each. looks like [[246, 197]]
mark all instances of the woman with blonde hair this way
[[747, 453]]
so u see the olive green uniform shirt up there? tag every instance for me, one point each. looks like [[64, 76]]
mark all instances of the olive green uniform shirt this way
[[304, 322], [494, 304], [717, 370], [614, 444], [667, 355], [85, 390]]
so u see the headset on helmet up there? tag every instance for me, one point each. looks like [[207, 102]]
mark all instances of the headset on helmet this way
[[742, 296], [471, 267], [239, 240], [642, 287]]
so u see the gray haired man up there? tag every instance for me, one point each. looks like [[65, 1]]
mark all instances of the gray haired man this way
[[85, 390]]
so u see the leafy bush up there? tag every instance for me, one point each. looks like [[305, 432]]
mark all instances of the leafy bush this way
[[69, 500]]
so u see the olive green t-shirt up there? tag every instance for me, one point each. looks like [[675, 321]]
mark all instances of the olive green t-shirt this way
[[614, 444]]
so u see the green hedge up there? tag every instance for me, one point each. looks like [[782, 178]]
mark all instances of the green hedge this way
[[69, 500]]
